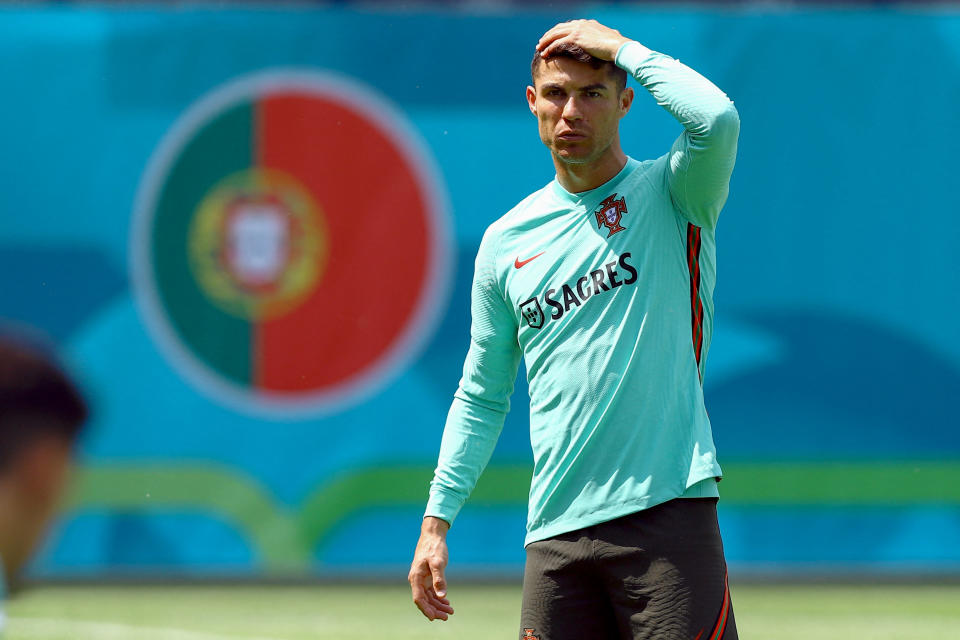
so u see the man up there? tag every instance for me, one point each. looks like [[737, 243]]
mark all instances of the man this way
[[41, 413], [603, 282]]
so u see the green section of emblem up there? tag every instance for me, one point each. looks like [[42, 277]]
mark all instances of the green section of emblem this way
[[257, 244], [220, 148]]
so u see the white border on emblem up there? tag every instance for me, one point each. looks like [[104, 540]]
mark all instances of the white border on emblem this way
[[434, 293]]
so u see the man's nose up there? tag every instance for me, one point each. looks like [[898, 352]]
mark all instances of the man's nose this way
[[571, 110]]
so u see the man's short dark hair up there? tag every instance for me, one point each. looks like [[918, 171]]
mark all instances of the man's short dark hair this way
[[567, 50], [36, 399]]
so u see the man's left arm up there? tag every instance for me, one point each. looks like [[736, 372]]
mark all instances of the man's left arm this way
[[701, 160]]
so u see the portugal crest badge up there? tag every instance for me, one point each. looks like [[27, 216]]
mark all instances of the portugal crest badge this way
[[609, 214]]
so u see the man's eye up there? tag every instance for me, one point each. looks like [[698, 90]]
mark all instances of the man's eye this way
[[553, 92], [593, 94]]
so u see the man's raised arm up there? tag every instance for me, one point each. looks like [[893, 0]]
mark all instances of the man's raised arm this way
[[473, 426], [701, 160]]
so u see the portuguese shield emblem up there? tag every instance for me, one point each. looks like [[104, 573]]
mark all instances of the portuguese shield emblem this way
[[609, 214], [290, 246]]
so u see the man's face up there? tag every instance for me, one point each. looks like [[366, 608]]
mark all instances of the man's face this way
[[578, 109]]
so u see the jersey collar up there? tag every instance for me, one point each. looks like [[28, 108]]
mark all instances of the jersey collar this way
[[587, 197]]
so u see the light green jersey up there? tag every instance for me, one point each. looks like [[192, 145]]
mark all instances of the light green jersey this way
[[607, 295]]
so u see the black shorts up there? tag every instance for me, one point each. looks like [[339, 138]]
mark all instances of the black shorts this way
[[658, 574]]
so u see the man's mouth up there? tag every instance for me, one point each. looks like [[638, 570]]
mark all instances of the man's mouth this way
[[571, 136]]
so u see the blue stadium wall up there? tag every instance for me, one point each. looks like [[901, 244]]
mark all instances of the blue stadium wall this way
[[834, 374]]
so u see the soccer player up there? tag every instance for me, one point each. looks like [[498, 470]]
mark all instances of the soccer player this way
[[602, 281], [41, 413]]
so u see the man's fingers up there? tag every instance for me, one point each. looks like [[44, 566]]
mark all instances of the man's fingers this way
[[594, 38], [559, 31], [432, 605], [439, 605], [419, 589], [439, 582], [563, 30], [433, 609], [423, 602], [428, 611], [439, 602], [553, 46]]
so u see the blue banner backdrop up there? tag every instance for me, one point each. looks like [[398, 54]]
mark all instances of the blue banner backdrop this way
[[142, 155]]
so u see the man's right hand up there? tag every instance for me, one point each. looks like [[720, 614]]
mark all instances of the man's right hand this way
[[600, 41], [427, 582]]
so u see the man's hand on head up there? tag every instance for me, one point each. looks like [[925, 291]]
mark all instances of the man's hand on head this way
[[596, 39], [427, 580]]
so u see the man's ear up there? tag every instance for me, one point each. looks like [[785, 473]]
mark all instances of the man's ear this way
[[626, 99], [532, 100]]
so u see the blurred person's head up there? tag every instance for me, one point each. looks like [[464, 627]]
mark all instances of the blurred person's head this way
[[41, 413], [578, 101]]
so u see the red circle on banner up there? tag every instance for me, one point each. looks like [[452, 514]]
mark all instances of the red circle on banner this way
[[379, 238]]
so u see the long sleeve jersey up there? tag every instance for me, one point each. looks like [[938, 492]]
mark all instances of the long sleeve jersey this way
[[608, 296]]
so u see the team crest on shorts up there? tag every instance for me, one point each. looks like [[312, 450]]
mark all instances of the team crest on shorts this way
[[528, 635], [609, 214], [532, 312], [290, 247]]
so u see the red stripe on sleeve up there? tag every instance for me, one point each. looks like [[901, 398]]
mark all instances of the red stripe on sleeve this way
[[696, 306]]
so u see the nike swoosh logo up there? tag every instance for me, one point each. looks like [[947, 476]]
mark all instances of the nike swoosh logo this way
[[517, 263]]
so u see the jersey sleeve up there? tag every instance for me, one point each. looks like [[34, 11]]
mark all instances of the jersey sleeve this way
[[482, 399], [700, 163]]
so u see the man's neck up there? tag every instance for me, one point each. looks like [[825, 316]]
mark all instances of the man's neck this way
[[577, 178]]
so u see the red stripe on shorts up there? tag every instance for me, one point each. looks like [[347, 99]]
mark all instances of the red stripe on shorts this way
[[724, 611]]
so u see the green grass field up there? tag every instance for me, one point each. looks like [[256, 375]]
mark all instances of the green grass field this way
[[807, 612]]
